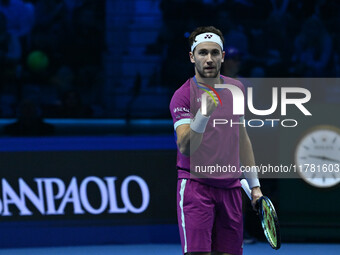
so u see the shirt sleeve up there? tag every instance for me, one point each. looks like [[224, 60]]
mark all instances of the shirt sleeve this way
[[180, 109]]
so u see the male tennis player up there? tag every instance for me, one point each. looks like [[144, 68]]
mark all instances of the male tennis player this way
[[210, 208]]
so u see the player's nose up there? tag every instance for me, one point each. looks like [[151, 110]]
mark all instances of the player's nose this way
[[209, 59]]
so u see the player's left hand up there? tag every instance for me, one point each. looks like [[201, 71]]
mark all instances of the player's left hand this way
[[256, 193]]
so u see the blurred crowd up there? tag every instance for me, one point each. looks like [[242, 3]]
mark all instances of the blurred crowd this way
[[51, 62], [50, 57], [267, 38]]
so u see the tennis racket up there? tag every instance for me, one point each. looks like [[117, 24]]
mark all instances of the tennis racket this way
[[268, 217]]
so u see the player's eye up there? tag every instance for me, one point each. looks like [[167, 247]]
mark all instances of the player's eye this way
[[203, 52], [216, 52]]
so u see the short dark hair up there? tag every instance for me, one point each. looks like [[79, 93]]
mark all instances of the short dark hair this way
[[201, 30]]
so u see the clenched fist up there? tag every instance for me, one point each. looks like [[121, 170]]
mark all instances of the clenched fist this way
[[209, 103]]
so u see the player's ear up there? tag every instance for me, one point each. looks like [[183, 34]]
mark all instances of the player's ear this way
[[191, 55], [223, 55]]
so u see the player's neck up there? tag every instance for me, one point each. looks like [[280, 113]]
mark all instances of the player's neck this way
[[210, 81]]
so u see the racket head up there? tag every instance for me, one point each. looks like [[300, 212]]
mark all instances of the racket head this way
[[269, 222]]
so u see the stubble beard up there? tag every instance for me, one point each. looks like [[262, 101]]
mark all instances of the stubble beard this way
[[211, 75]]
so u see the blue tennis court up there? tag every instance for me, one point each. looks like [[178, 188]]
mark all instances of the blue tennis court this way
[[173, 249]]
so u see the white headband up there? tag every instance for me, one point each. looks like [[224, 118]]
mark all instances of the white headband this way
[[206, 37]]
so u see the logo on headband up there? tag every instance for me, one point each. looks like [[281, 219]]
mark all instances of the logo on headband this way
[[208, 36]]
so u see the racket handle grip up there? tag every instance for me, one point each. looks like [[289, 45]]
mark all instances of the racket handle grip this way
[[246, 188]]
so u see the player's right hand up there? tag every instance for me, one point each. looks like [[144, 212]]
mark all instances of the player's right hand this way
[[211, 104], [256, 193]]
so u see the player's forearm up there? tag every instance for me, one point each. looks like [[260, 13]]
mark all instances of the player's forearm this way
[[190, 138], [247, 159], [189, 141], [246, 151]]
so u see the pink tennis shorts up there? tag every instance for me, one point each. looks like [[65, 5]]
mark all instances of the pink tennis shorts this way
[[209, 218]]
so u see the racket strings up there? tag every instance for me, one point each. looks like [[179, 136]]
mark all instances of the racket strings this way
[[269, 223]]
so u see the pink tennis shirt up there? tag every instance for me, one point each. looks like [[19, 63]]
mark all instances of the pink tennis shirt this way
[[219, 148]]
